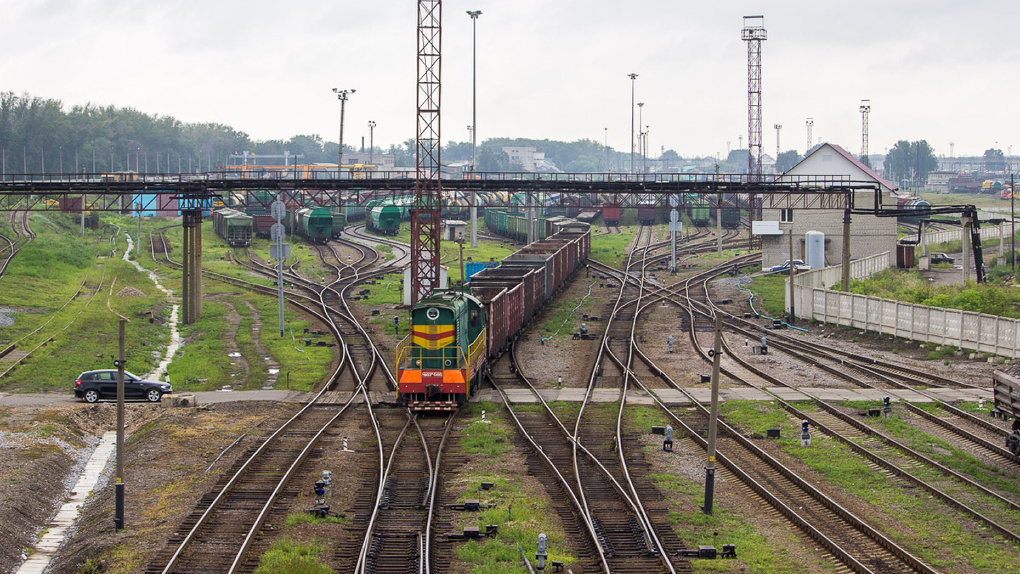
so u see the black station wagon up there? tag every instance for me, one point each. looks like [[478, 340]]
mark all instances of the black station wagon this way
[[92, 386]]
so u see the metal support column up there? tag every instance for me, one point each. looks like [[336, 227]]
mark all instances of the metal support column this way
[[192, 266], [185, 273], [846, 250]]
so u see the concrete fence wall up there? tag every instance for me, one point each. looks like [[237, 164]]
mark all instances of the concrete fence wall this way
[[988, 233], [964, 329]]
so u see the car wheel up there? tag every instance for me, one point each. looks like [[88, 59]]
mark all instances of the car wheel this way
[[153, 395], [91, 396]]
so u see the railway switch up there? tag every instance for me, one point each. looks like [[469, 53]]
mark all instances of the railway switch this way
[[667, 443], [540, 553], [886, 407], [805, 434]]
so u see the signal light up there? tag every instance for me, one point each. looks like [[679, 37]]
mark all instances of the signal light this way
[[320, 488]]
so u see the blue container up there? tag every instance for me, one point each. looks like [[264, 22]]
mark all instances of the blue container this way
[[472, 267]]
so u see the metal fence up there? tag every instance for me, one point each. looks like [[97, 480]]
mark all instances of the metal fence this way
[[963, 329]]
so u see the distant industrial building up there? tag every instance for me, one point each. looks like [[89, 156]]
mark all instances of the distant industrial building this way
[[384, 161], [938, 181], [529, 159], [869, 235]]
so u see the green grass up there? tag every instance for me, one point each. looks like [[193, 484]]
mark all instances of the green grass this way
[[769, 294], [925, 532], [521, 509], [611, 248], [564, 315], [296, 518], [46, 274], [290, 557], [911, 287], [755, 552]]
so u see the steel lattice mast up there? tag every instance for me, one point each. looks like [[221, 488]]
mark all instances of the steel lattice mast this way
[[865, 110], [754, 33], [425, 232]]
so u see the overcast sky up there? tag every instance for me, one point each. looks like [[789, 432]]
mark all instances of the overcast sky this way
[[940, 70]]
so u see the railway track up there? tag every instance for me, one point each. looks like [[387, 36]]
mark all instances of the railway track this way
[[847, 537], [233, 518], [20, 229], [11, 349], [990, 508]]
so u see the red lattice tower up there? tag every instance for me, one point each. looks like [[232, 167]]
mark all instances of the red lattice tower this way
[[425, 232]]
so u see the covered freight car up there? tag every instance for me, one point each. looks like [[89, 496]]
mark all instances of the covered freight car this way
[[313, 224], [233, 226], [385, 219]]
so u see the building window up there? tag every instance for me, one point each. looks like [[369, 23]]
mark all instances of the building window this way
[[786, 216]]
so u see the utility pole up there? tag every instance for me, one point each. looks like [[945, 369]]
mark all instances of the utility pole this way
[[118, 489], [641, 133], [474, 120], [371, 142], [632, 77], [713, 421], [778, 128]]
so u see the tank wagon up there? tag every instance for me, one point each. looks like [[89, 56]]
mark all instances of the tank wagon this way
[[315, 225], [233, 226], [454, 333], [918, 208]]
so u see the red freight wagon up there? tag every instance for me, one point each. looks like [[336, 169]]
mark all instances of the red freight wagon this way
[[261, 224]]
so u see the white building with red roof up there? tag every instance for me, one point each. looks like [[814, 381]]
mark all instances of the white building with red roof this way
[[869, 235]]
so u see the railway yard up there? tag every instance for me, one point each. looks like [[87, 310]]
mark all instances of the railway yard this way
[[904, 468]]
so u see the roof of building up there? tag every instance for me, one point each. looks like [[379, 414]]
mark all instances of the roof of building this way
[[886, 184]]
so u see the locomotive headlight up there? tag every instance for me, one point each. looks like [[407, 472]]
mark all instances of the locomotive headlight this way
[[432, 313], [448, 362]]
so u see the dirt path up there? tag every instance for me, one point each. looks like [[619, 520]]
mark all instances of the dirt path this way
[[256, 331]]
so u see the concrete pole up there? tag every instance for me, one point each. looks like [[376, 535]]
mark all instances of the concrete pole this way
[[118, 519], [197, 270], [718, 224], [793, 270], [846, 250], [713, 421], [967, 222]]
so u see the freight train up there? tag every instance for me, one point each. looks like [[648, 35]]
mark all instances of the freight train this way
[[233, 226], [1006, 398], [315, 225], [454, 333], [611, 214]]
